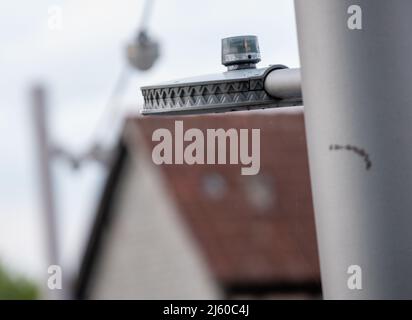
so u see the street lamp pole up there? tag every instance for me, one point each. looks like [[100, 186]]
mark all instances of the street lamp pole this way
[[44, 156], [356, 83]]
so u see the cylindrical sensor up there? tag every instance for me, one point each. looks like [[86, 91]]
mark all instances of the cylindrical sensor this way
[[240, 52]]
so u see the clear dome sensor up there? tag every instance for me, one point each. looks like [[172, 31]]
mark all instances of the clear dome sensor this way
[[240, 52]]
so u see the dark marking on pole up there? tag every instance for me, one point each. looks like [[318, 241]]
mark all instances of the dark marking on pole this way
[[360, 152]]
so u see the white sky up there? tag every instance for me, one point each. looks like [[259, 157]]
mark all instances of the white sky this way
[[79, 65]]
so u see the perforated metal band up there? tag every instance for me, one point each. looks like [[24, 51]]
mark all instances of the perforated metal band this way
[[225, 94]]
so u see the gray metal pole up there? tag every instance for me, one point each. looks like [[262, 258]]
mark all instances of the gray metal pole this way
[[357, 92], [44, 167]]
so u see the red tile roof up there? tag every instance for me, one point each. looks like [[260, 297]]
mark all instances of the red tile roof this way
[[243, 241]]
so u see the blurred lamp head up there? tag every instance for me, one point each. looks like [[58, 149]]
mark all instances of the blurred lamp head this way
[[143, 52]]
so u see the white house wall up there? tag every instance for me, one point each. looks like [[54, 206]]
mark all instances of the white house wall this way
[[147, 253]]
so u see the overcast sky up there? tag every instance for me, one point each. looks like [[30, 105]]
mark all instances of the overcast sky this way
[[79, 64]]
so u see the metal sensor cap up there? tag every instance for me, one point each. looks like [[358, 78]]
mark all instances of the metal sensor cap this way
[[240, 52]]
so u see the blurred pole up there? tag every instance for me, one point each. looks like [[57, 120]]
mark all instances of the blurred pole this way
[[356, 81], [46, 181], [146, 12]]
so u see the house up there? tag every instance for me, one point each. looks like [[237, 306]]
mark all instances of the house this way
[[205, 231]]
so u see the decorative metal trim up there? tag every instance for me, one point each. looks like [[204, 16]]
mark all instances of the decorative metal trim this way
[[210, 96]]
